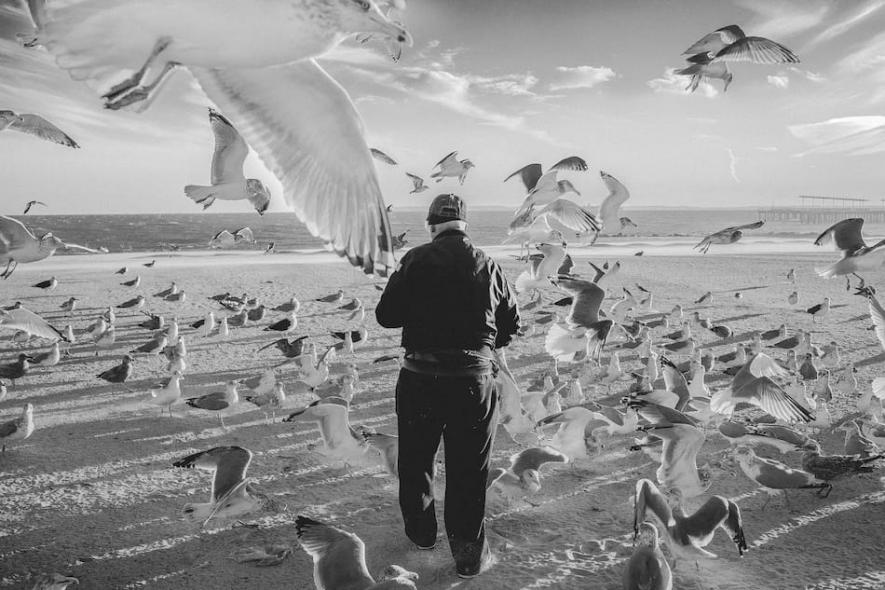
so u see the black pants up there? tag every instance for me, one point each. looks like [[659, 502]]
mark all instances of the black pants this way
[[463, 411]]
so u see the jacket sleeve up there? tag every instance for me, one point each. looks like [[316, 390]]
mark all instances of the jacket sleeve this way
[[507, 314], [393, 305]]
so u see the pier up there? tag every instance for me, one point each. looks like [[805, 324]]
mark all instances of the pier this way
[[818, 210]]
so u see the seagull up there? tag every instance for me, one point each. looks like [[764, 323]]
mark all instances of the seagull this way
[[53, 581], [387, 447], [133, 282], [339, 560], [573, 422], [856, 443], [783, 438], [136, 302], [170, 290], [70, 305], [678, 470], [273, 399], [566, 212], [19, 428], [339, 438], [581, 322], [18, 244], [523, 476], [168, 393], [231, 496], [149, 264], [400, 241], [49, 358], [829, 467], [20, 318], [418, 185], [292, 305], [731, 44], [647, 569], [121, 271], [547, 188], [610, 208], [286, 324], [333, 298], [775, 477], [244, 234], [313, 141], [382, 157], [753, 384], [35, 125], [223, 239], [217, 400], [688, 535], [531, 174], [118, 373], [729, 235], [703, 66], [290, 349], [17, 369], [542, 268], [857, 257], [819, 310], [30, 204], [450, 166], [270, 248]]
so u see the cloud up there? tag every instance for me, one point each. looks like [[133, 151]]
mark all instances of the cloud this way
[[570, 78], [784, 18], [767, 148], [779, 81], [849, 21], [673, 83], [808, 75], [853, 136]]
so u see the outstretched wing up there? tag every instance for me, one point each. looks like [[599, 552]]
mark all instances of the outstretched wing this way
[[306, 129], [40, 127], [339, 557], [382, 157], [529, 174], [716, 40], [230, 150], [571, 215], [575, 163], [28, 321], [13, 235], [757, 50], [450, 160], [846, 234]]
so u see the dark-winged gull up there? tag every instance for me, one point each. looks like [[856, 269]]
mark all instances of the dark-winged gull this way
[[729, 235], [37, 126], [18, 428], [774, 477], [847, 235], [731, 44], [451, 167]]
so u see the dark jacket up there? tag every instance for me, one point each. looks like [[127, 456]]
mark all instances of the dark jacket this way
[[448, 295]]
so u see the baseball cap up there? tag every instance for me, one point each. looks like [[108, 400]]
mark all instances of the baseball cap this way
[[447, 207]]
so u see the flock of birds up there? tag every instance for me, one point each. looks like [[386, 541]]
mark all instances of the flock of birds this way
[[312, 140]]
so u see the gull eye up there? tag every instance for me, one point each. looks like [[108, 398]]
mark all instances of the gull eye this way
[[364, 4]]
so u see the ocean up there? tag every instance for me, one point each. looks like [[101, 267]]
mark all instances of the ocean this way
[[670, 228]]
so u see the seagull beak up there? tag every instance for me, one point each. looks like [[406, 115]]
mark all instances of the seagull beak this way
[[387, 27]]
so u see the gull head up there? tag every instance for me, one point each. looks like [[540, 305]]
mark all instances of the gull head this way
[[467, 164], [364, 16], [50, 242], [531, 481], [646, 535], [393, 572], [263, 502], [258, 195]]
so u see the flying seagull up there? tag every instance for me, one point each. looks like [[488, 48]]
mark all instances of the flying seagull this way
[[37, 126], [228, 180], [857, 257], [301, 122], [382, 157], [450, 166], [731, 44], [18, 244], [729, 235], [30, 204], [418, 185]]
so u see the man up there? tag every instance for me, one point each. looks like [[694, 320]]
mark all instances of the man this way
[[455, 308]]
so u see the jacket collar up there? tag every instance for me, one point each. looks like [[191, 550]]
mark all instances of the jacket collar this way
[[448, 233]]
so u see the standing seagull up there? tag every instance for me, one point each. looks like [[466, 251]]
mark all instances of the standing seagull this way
[[18, 244], [312, 140], [450, 166], [819, 310], [647, 569], [18, 429], [30, 204], [227, 178], [729, 235], [732, 44], [774, 477], [339, 560], [35, 125], [857, 257], [47, 285]]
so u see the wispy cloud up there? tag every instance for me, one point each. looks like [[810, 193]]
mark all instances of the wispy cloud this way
[[767, 148], [570, 78], [854, 136], [779, 81], [732, 164], [849, 21], [673, 83], [784, 18], [808, 75]]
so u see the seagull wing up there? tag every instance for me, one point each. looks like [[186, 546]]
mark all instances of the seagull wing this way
[[571, 215], [878, 316], [571, 163], [754, 225], [533, 458], [757, 50], [306, 129], [230, 469], [529, 174], [28, 321], [450, 160], [13, 235], [245, 233], [588, 298], [230, 150], [339, 557], [67, 246], [716, 40], [649, 497], [40, 127], [417, 181], [768, 395], [382, 157], [617, 195], [847, 235]]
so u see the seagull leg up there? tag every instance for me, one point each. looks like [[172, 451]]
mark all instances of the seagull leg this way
[[135, 80], [145, 94], [10, 266]]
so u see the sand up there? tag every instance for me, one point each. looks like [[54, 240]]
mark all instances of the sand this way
[[93, 493]]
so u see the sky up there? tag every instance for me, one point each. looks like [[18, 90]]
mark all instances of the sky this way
[[506, 83]]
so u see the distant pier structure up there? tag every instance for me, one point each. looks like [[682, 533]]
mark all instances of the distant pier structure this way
[[818, 210]]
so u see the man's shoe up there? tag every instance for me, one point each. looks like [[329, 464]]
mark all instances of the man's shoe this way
[[430, 548], [486, 564]]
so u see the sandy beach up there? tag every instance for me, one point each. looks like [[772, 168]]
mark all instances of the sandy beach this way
[[93, 494]]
